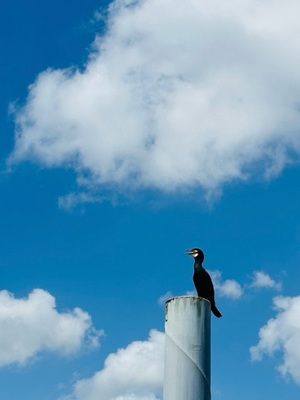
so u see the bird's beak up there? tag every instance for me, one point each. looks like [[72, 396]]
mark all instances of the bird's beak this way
[[189, 252]]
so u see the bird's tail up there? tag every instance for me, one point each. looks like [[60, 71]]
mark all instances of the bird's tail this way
[[215, 311]]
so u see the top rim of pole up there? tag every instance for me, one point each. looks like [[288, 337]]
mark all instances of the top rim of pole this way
[[186, 297]]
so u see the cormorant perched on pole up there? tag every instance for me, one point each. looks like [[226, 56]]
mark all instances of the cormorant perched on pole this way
[[202, 280]]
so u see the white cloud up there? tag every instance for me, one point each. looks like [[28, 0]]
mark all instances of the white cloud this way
[[228, 288], [31, 325], [176, 94], [282, 333], [263, 280], [132, 373]]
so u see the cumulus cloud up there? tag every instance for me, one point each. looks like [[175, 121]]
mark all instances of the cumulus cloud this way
[[174, 95], [132, 373], [281, 334], [229, 288], [261, 279], [31, 325]]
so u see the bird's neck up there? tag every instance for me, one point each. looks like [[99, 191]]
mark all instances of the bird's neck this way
[[198, 265]]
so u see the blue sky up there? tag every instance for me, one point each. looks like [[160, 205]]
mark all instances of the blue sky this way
[[129, 132]]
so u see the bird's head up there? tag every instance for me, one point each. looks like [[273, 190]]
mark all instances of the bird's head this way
[[196, 253]]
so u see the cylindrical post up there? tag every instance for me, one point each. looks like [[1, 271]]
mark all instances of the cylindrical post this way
[[187, 349]]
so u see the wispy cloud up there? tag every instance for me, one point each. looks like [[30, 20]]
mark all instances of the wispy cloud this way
[[71, 200], [132, 373], [261, 279], [281, 334], [162, 299], [29, 326], [173, 97]]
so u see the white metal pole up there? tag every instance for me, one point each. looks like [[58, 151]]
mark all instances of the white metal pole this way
[[187, 349]]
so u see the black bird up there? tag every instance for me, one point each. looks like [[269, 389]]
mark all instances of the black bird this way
[[202, 280]]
